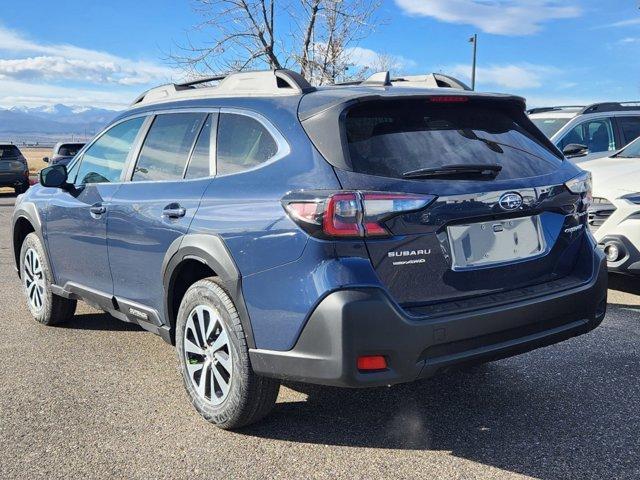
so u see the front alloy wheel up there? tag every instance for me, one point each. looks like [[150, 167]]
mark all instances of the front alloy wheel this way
[[34, 283]]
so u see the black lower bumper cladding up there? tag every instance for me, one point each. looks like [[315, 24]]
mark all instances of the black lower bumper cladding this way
[[355, 322]]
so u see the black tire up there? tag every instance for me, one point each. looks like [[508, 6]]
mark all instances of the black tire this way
[[250, 397], [21, 188], [54, 309]]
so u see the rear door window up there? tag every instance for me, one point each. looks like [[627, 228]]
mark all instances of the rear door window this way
[[391, 138], [630, 127], [200, 164], [167, 146]]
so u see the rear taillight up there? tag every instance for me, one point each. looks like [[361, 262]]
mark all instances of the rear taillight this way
[[582, 185], [350, 214]]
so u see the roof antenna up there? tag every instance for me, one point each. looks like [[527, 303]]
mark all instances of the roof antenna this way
[[380, 79]]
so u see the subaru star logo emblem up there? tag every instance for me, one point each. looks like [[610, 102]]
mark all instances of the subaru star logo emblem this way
[[510, 201]]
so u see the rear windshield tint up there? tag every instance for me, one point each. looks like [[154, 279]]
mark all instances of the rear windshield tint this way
[[9, 151], [391, 138]]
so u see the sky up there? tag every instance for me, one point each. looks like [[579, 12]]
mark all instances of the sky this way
[[103, 54]]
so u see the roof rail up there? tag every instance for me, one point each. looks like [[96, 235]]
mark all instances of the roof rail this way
[[611, 107], [381, 79], [431, 80], [257, 83], [552, 109]]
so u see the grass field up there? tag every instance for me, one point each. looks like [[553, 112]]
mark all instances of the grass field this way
[[34, 157]]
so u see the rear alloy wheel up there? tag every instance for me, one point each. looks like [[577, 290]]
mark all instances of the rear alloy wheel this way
[[214, 359], [46, 307], [207, 351]]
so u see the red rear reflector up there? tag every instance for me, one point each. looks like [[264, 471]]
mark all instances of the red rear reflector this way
[[449, 99], [372, 362]]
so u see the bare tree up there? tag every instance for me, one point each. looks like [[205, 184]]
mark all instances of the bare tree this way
[[313, 36]]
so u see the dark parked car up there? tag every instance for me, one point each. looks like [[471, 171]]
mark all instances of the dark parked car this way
[[354, 236], [63, 153], [14, 171]]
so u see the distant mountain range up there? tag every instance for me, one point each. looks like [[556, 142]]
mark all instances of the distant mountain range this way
[[52, 122]]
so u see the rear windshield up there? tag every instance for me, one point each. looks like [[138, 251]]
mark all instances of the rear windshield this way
[[550, 126], [9, 151], [391, 138], [70, 149]]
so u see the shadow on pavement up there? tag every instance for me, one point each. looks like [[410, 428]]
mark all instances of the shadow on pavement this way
[[99, 321], [546, 424]]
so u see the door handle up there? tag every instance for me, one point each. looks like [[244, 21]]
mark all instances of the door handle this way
[[174, 210], [97, 209]]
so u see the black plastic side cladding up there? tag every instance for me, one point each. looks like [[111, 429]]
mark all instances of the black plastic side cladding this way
[[212, 252]]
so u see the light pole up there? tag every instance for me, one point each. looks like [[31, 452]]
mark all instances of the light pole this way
[[474, 40]]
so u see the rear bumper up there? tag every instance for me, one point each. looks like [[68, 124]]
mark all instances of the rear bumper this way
[[353, 322], [13, 179], [629, 259]]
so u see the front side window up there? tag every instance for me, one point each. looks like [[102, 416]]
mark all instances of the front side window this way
[[243, 143], [104, 160], [166, 149], [596, 134]]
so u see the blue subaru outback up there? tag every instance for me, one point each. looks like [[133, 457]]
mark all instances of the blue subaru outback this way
[[355, 236]]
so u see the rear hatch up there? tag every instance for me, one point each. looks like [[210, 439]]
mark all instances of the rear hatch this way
[[501, 219]]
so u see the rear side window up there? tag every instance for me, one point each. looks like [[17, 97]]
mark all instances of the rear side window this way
[[104, 160], [243, 143], [9, 151], [166, 149], [630, 127], [389, 138]]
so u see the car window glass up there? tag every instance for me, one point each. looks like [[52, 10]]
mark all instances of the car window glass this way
[[166, 149], [104, 160], [243, 143], [596, 134], [200, 164], [630, 128]]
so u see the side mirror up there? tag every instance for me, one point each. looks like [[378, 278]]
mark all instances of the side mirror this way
[[45, 159], [575, 150], [54, 176]]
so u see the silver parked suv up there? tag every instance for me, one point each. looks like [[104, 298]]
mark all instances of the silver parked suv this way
[[589, 132]]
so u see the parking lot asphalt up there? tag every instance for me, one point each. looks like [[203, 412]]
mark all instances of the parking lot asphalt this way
[[97, 398]]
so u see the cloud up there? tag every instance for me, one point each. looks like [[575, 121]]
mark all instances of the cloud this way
[[624, 23], [13, 93], [32, 61], [500, 17], [365, 57], [510, 77]]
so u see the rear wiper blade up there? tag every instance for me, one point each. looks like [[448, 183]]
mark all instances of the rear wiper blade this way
[[456, 170]]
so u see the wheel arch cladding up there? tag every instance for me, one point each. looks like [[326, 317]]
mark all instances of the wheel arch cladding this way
[[192, 258], [21, 228]]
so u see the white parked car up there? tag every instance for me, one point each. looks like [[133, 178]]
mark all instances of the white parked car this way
[[614, 215], [583, 133]]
